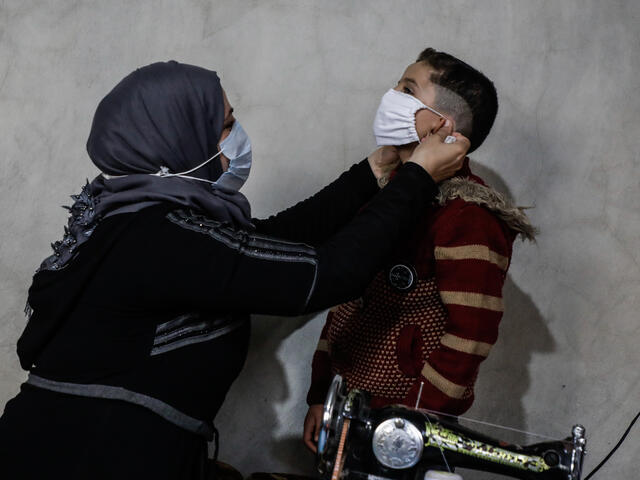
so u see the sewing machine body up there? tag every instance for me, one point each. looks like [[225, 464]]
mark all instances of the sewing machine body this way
[[402, 443]]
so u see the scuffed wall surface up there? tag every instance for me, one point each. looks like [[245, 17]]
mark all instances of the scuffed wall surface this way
[[305, 79]]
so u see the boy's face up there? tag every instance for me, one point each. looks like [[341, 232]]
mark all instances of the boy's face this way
[[416, 81]]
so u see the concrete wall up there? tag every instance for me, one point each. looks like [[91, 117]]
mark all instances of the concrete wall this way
[[305, 78]]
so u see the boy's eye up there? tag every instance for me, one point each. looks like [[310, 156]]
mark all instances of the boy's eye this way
[[407, 90]]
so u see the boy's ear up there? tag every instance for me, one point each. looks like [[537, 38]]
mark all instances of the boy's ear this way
[[427, 123], [447, 124]]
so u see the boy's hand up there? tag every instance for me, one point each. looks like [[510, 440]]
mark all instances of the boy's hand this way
[[312, 424]]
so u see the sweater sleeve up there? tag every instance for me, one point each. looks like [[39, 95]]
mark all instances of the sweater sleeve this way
[[315, 219], [321, 373], [472, 254]]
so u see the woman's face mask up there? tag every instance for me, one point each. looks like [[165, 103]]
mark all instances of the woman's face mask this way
[[237, 148], [395, 121]]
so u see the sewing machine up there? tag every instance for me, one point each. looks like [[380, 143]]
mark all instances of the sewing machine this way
[[401, 443]]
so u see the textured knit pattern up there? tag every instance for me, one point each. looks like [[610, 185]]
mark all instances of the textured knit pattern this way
[[389, 343], [364, 335]]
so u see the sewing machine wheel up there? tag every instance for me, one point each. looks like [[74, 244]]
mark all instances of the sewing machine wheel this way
[[332, 423]]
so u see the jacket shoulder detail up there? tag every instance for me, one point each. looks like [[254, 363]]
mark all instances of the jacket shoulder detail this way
[[248, 244], [190, 329], [472, 192]]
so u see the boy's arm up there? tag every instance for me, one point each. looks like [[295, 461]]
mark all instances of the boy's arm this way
[[321, 377], [321, 373], [472, 254]]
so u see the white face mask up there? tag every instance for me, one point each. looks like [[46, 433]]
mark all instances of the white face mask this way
[[237, 148], [395, 122]]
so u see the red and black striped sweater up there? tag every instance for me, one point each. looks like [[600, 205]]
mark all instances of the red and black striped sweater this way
[[432, 316]]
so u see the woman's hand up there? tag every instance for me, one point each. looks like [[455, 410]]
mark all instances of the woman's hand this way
[[312, 424], [383, 161], [441, 160]]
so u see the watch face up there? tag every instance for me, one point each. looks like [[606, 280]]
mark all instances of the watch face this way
[[402, 277]]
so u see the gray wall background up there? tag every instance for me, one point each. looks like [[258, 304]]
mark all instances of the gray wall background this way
[[306, 78]]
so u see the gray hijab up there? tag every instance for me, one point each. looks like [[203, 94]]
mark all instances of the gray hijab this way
[[165, 116]]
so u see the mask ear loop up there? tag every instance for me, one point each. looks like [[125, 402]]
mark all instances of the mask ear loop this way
[[432, 110], [164, 172]]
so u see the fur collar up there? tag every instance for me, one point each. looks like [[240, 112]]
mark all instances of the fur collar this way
[[473, 192]]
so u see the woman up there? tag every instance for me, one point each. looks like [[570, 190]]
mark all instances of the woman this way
[[139, 320]]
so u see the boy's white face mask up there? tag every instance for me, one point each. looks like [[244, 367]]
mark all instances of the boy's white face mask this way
[[395, 122]]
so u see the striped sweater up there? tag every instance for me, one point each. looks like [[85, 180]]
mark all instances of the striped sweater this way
[[432, 316]]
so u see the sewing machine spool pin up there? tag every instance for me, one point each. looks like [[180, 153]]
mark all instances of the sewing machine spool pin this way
[[579, 450]]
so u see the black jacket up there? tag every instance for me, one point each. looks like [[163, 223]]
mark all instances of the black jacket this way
[[146, 320]]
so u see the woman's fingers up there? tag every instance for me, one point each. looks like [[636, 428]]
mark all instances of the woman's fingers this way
[[445, 130], [462, 141], [441, 159]]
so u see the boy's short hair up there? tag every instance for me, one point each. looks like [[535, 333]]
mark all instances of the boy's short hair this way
[[468, 84]]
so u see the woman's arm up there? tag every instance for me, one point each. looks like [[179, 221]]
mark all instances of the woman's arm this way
[[346, 263], [225, 270], [351, 258], [211, 266], [271, 276], [315, 219]]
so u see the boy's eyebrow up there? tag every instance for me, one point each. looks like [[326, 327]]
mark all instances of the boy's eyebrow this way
[[410, 80]]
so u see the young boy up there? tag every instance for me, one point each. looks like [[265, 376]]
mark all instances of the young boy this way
[[427, 321]]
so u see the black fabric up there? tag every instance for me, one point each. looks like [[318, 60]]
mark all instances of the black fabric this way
[[349, 260], [152, 269], [157, 270], [53, 295], [51, 435], [349, 257]]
